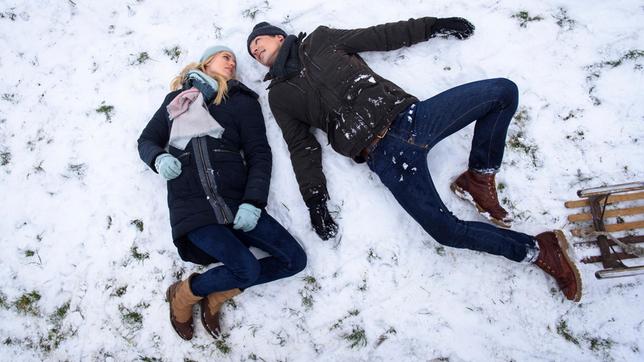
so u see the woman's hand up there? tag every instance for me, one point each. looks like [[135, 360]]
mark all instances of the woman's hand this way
[[168, 166], [246, 218]]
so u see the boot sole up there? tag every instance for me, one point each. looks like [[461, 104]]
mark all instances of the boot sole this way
[[467, 197], [563, 244]]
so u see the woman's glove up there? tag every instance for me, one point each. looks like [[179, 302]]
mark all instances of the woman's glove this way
[[246, 218], [168, 166], [457, 27]]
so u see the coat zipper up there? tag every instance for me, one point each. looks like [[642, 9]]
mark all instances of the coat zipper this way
[[206, 175]]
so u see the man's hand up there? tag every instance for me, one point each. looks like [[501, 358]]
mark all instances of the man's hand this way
[[457, 27], [321, 220]]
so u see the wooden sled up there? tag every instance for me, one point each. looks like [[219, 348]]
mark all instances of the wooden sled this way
[[603, 203]]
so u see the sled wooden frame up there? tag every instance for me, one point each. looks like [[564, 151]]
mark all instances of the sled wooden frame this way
[[597, 199]]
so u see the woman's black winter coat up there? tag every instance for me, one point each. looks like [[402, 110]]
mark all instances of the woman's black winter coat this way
[[240, 162]]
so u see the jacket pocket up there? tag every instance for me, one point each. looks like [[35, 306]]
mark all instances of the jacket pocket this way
[[230, 172], [186, 183]]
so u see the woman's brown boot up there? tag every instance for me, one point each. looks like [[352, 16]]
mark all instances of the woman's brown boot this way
[[181, 301], [211, 307]]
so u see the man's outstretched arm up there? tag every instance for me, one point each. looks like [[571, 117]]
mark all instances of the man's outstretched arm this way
[[396, 35]]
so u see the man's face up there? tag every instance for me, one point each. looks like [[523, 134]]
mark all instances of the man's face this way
[[265, 48]]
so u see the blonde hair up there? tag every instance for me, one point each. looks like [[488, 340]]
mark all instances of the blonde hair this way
[[177, 82]]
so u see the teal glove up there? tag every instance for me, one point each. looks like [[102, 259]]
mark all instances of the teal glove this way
[[168, 166], [246, 218]]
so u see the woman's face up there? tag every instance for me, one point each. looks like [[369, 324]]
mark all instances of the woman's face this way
[[223, 64]]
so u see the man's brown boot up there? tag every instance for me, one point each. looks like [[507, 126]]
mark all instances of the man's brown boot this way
[[480, 189], [553, 259], [211, 307], [181, 301]]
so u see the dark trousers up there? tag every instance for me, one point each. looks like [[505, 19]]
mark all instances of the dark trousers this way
[[400, 160], [241, 269]]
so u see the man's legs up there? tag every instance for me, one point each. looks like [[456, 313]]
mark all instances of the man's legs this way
[[400, 160], [402, 167], [491, 103]]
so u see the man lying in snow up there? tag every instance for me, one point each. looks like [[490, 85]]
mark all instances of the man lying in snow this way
[[320, 81]]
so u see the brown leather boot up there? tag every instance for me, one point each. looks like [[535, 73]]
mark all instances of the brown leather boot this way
[[211, 307], [480, 189], [181, 301], [553, 259]]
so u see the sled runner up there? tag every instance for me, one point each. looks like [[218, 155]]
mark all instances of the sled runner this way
[[611, 202]]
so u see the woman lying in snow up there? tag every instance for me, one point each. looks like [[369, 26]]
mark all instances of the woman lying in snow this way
[[208, 140]]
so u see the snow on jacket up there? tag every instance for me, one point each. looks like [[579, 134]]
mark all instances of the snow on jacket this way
[[337, 92]]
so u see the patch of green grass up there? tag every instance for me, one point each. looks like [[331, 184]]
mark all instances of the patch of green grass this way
[[633, 54], [338, 324], [563, 20], [141, 58], [221, 344], [562, 330], [372, 256], [107, 110], [251, 13], [383, 337], [138, 223], [363, 286], [10, 97], [53, 339], [518, 142], [522, 117], [3, 301], [131, 317], [524, 18], [600, 344], [60, 313], [29, 253], [149, 359], [578, 135], [27, 303], [9, 15], [572, 114], [77, 169], [136, 254], [357, 337], [119, 292], [595, 70], [311, 286], [5, 158], [174, 53], [231, 303]]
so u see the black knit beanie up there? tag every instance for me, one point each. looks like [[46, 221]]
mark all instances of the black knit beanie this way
[[263, 28]]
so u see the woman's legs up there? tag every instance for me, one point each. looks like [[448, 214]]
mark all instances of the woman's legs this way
[[241, 269]]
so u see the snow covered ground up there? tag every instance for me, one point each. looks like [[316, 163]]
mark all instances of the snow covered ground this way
[[87, 253]]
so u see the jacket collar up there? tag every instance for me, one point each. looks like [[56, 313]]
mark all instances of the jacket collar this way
[[287, 63]]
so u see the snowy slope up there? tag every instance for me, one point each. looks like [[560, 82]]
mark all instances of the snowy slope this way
[[87, 252]]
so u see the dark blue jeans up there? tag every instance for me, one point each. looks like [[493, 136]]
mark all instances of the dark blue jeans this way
[[241, 269], [400, 160]]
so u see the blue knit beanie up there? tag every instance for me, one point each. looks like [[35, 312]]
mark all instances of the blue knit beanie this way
[[263, 28], [214, 50]]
